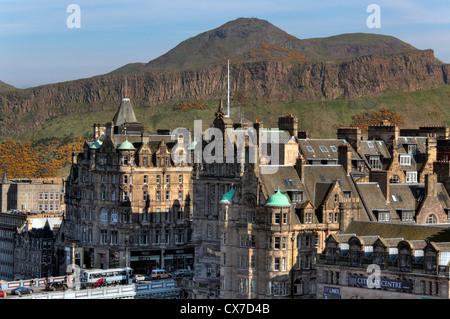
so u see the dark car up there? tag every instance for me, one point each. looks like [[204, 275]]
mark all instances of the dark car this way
[[56, 285], [183, 273], [21, 291]]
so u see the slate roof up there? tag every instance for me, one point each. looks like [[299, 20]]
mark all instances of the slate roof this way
[[436, 232], [316, 149], [125, 113], [406, 196], [286, 178]]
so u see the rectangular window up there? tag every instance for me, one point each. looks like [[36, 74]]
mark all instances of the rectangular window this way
[[103, 237], [405, 160], [114, 237], [276, 264], [276, 244], [276, 218], [375, 162], [411, 177]]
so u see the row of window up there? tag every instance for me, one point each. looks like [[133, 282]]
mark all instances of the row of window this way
[[48, 207], [274, 287], [111, 237], [126, 179], [273, 243], [156, 216], [48, 196], [406, 216], [128, 196]]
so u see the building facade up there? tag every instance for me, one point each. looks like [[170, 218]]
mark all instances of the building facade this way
[[128, 199], [385, 261]]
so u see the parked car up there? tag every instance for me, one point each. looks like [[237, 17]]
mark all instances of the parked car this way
[[139, 277], [56, 285], [3, 293], [160, 274], [21, 291], [183, 273]]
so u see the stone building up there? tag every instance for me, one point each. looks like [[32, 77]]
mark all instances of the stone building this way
[[372, 260], [34, 253], [32, 195], [23, 253], [246, 215], [129, 198]]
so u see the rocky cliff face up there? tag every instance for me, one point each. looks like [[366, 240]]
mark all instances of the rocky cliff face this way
[[25, 110]]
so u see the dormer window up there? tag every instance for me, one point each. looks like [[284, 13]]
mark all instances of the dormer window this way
[[405, 160], [297, 197], [412, 149], [375, 162]]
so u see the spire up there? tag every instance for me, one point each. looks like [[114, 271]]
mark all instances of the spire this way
[[125, 113], [5, 178], [219, 112], [228, 91]]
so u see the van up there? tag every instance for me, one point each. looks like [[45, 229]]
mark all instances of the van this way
[[55, 285], [160, 274]]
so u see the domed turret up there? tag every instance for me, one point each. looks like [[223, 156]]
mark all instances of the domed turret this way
[[278, 199], [126, 146], [228, 196], [96, 145]]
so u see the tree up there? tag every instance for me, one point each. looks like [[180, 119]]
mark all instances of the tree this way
[[366, 119]]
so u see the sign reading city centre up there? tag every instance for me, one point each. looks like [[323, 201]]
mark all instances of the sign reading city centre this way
[[382, 283]]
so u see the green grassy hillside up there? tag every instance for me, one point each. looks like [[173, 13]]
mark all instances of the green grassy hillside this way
[[320, 118]]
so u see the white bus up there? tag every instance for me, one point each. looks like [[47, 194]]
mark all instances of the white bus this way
[[106, 276]]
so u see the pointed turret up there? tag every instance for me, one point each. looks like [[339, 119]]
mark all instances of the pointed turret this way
[[125, 113], [5, 178]]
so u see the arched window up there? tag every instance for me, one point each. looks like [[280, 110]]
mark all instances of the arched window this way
[[114, 216], [431, 219], [103, 215]]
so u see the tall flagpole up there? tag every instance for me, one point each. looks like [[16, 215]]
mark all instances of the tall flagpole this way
[[228, 90]]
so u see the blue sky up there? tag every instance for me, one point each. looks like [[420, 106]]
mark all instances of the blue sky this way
[[37, 47]]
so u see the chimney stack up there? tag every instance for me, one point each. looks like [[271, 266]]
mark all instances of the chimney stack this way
[[382, 178], [431, 185], [345, 158], [300, 167], [352, 135]]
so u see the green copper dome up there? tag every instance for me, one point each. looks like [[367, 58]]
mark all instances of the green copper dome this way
[[126, 146], [228, 196], [278, 199], [96, 145]]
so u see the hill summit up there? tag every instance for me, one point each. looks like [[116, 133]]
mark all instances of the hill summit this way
[[252, 39]]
